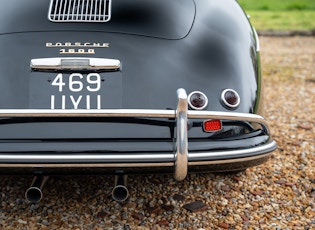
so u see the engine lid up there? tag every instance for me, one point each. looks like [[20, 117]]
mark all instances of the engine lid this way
[[156, 18]]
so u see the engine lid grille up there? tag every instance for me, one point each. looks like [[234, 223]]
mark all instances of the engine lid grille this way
[[79, 10]]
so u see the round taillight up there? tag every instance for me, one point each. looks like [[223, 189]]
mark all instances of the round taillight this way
[[230, 98], [197, 100]]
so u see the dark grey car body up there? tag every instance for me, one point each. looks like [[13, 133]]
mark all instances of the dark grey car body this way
[[131, 116]]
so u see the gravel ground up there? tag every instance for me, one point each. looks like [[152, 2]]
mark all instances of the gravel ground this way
[[279, 194]]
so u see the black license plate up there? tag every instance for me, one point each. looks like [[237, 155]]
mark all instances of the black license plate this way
[[75, 90]]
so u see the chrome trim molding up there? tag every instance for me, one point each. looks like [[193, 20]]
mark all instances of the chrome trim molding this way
[[131, 160], [257, 40], [148, 113], [87, 64], [88, 158], [10, 113], [86, 165], [181, 156]]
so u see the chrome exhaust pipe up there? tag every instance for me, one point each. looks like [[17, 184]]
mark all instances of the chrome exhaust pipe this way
[[34, 193], [120, 192]]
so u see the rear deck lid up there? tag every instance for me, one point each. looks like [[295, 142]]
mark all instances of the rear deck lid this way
[[157, 18]]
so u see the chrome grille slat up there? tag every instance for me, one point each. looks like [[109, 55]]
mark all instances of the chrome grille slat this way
[[64, 11], [91, 9], [73, 8], [60, 8], [69, 10], [79, 10]]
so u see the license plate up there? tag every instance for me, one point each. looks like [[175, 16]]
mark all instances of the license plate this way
[[75, 90]]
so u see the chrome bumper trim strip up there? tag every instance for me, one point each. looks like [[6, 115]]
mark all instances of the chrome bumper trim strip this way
[[180, 158], [133, 159], [131, 165], [145, 113]]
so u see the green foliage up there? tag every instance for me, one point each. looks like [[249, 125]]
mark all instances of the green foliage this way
[[264, 7], [276, 5], [283, 20], [281, 15], [297, 6]]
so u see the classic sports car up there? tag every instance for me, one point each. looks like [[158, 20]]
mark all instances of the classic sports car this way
[[121, 87]]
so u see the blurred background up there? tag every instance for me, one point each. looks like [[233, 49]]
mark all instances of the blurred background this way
[[281, 15]]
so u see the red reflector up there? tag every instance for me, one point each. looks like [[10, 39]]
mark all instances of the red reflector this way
[[212, 125]]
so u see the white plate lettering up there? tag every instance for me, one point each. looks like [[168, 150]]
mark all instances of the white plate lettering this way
[[77, 83]]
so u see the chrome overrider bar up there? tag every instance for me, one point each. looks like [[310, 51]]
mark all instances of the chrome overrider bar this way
[[181, 157], [180, 160]]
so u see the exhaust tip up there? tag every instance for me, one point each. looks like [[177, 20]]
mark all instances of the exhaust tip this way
[[120, 193], [33, 195]]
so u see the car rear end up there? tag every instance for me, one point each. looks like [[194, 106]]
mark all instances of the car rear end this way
[[103, 87]]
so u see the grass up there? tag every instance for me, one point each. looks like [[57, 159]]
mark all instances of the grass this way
[[283, 20], [281, 15], [274, 5]]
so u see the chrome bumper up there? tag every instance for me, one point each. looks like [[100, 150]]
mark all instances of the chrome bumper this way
[[180, 160]]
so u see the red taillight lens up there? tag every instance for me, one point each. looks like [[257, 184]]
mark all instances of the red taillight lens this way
[[197, 100], [230, 98], [212, 125]]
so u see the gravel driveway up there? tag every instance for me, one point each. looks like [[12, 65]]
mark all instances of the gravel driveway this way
[[279, 194]]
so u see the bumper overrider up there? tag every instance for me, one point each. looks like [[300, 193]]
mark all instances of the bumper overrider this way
[[179, 161]]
